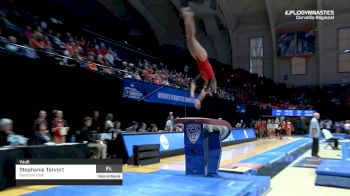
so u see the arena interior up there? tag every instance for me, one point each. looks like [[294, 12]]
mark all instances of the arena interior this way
[[175, 97]]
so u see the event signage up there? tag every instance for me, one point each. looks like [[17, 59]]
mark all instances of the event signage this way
[[142, 91], [69, 172], [292, 112], [170, 141]]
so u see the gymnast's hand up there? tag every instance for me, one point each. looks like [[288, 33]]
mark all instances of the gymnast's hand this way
[[192, 94], [197, 104]]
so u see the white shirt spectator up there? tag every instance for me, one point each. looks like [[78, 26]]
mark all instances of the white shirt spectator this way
[[108, 125], [347, 126], [169, 125], [110, 58], [30, 52], [327, 134], [11, 47]]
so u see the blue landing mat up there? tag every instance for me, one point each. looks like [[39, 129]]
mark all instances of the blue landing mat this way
[[334, 168], [136, 184], [333, 181], [278, 153], [260, 183]]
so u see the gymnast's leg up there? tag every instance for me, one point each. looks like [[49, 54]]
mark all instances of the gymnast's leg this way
[[195, 48]]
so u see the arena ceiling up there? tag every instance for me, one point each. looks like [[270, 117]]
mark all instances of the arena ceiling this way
[[230, 15]]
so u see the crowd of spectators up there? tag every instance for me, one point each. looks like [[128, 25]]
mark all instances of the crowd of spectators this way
[[32, 36], [29, 35], [272, 128], [25, 34], [94, 131]]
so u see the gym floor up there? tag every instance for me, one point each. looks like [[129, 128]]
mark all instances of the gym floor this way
[[290, 181]]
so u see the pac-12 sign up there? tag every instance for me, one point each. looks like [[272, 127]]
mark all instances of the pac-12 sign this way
[[193, 131]]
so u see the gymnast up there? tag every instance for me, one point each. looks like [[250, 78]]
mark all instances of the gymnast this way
[[200, 55]]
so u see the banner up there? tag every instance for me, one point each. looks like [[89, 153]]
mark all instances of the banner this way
[[292, 112], [175, 140], [157, 94], [167, 141], [240, 134]]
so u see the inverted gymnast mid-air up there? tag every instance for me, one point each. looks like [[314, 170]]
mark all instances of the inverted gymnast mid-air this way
[[200, 55]]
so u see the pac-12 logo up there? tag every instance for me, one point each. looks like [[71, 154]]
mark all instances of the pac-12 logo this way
[[193, 131], [164, 142]]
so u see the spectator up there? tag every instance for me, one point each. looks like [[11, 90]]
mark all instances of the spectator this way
[[7, 135], [90, 65], [12, 44], [88, 136], [278, 128], [178, 127], [42, 135], [243, 125], [170, 115], [57, 41], [169, 125], [240, 125], [109, 122], [117, 126], [109, 57], [270, 128], [115, 55], [59, 127], [30, 52], [314, 131], [153, 128], [5, 131], [27, 32], [133, 127], [186, 70], [329, 137], [284, 127], [261, 128], [347, 127], [41, 119], [289, 128], [97, 123], [142, 128]]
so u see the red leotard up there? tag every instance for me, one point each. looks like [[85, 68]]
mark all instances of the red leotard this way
[[205, 70]]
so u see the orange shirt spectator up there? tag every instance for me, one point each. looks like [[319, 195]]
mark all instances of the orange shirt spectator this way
[[90, 65]]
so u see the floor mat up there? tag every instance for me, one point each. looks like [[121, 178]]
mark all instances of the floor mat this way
[[310, 162]]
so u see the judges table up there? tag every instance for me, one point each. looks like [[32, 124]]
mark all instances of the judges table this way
[[171, 143], [8, 157]]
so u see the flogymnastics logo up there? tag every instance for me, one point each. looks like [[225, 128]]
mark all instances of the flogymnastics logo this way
[[311, 14], [193, 131]]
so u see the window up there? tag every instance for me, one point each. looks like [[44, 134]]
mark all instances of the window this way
[[344, 62], [256, 64], [344, 44], [344, 38], [298, 66], [256, 47]]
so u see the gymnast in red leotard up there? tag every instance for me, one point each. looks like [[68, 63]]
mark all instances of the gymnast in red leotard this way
[[200, 55]]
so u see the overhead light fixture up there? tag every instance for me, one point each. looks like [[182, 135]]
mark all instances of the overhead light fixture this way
[[347, 51]]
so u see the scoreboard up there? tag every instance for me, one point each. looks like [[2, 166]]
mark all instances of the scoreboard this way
[[292, 112]]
